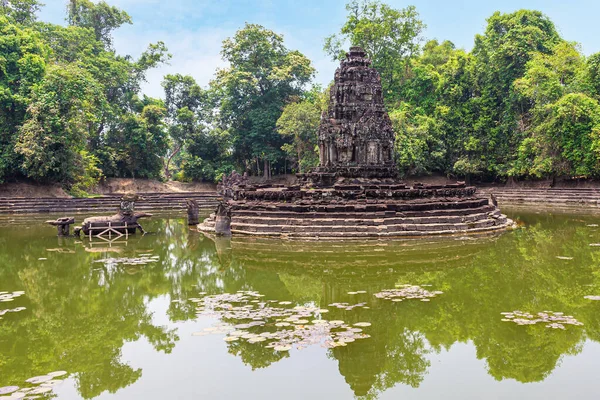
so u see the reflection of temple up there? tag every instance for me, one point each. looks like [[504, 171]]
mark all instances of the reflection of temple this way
[[356, 133]]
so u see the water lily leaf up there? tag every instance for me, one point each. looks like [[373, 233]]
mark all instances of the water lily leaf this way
[[39, 379], [362, 324], [41, 390], [57, 373], [8, 389], [283, 348]]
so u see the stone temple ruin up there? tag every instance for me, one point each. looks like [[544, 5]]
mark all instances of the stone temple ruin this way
[[356, 138], [355, 191]]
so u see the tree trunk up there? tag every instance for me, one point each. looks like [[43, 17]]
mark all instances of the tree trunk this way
[[167, 171], [266, 169]]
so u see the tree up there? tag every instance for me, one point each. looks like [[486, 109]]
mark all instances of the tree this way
[[20, 11], [501, 56], [141, 140], [300, 121], [23, 63], [63, 107], [100, 17], [263, 75], [184, 99], [389, 36]]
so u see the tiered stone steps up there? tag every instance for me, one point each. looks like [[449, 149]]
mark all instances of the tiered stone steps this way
[[586, 197], [152, 202], [404, 219]]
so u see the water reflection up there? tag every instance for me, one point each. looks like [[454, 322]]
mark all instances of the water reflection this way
[[80, 313]]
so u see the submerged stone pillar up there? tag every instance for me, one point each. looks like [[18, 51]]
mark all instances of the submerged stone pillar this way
[[193, 212], [63, 225], [223, 220]]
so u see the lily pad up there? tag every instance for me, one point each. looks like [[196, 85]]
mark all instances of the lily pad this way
[[39, 379], [595, 298], [283, 348], [56, 374], [362, 324], [41, 390], [8, 389]]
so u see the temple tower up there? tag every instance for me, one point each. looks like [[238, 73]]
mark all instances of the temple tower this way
[[356, 138]]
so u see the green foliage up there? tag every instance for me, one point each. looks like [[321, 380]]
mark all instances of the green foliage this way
[[419, 141], [90, 177], [300, 121], [23, 58], [20, 11], [263, 75], [70, 104], [522, 104], [55, 130], [100, 17], [389, 36]]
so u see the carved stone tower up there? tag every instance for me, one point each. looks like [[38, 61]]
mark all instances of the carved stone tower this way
[[356, 138]]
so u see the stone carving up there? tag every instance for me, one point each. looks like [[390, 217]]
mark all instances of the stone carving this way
[[126, 219], [229, 183], [356, 138], [63, 225]]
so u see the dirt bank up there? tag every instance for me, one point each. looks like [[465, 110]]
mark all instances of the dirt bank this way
[[110, 186], [30, 190], [120, 185]]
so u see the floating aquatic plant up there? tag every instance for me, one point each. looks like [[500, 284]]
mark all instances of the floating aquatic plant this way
[[129, 261], [283, 328], [554, 320], [44, 384], [8, 389], [5, 297], [407, 292], [596, 298], [347, 306]]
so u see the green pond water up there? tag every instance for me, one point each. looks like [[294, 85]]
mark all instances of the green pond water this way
[[139, 331]]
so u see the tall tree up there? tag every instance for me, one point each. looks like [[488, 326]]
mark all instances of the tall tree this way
[[501, 56], [184, 99], [23, 63], [389, 36], [300, 122], [21, 11], [100, 17], [63, 107], [263, 75]]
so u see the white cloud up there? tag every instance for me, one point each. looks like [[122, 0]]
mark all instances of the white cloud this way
[[195, 53]]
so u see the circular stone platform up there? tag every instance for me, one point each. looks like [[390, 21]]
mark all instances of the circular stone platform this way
[[360, 211]]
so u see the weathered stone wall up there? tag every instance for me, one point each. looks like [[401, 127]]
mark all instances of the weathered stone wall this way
[[356, 131]]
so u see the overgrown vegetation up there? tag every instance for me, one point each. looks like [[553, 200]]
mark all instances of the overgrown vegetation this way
[[522, 104]]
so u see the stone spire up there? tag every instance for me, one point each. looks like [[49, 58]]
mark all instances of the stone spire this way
[[356, 138]]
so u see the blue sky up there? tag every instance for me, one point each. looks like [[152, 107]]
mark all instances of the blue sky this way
[[194, 29]]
